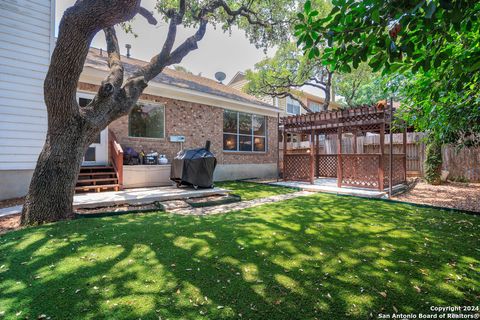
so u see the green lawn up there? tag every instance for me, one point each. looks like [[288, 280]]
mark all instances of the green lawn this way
[[316, 257], [251, 190]]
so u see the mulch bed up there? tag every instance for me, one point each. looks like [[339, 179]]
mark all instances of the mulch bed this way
[[118, 209], [12, 222], [454, 195], [9, 223]]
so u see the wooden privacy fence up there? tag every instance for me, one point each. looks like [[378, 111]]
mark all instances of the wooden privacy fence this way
[[415, 151], [462, 165]]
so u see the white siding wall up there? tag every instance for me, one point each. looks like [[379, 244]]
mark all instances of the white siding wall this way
[[26, 42]]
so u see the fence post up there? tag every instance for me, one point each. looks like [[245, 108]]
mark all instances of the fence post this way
[[284, 173], [312, 157], [381, 173], [405, 153], [339, 158]]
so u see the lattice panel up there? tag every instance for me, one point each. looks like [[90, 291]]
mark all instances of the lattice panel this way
[[326, 165], [363, 117], [360, 170], [398, 172], [297, 167]]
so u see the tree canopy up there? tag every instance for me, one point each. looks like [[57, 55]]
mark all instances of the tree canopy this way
[[435, 44], [289, 70], [360, 86], [264, 22]]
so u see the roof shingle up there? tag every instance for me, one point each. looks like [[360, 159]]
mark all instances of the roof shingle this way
[[97, 60]]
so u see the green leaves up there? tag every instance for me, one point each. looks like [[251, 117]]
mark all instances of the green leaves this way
[[376, 15], [434, 44], [307, 7], [359, 86], [315, 52]]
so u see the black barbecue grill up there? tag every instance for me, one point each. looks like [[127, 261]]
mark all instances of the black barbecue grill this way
[[194, 167]]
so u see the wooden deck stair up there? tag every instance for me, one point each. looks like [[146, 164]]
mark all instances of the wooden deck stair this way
[[98, 179]]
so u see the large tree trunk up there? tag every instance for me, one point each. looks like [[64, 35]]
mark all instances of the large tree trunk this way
[[72, 128], [50, 196], [328, 88]]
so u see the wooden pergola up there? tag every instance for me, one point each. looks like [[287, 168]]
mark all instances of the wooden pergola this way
[[352, 168]]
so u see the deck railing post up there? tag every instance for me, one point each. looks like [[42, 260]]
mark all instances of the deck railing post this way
[[116, 156]]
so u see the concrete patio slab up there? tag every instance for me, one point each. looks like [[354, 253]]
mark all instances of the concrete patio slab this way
[[140, 196], [10, 210], [130, 196], [329, 185], [237, 206]]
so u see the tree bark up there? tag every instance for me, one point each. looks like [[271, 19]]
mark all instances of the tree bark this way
[[50, 196], [328, 88], [70, 131]]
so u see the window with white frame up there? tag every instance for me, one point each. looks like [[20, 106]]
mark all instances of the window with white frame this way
[[147, 121], [244, 132], [293, 106], [316, 106]]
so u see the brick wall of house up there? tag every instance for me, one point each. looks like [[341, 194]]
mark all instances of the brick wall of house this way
[[198, 123]]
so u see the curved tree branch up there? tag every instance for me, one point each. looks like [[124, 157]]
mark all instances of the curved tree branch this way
[[244, 11], [116, 68], [135, 85], [79, 24], [147, 15], [188, 45]]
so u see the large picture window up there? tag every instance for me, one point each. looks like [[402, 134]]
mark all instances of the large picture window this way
[[147, 121], [244, 132]]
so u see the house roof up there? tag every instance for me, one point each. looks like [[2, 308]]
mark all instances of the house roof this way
[[98, 60], [239, 76]]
